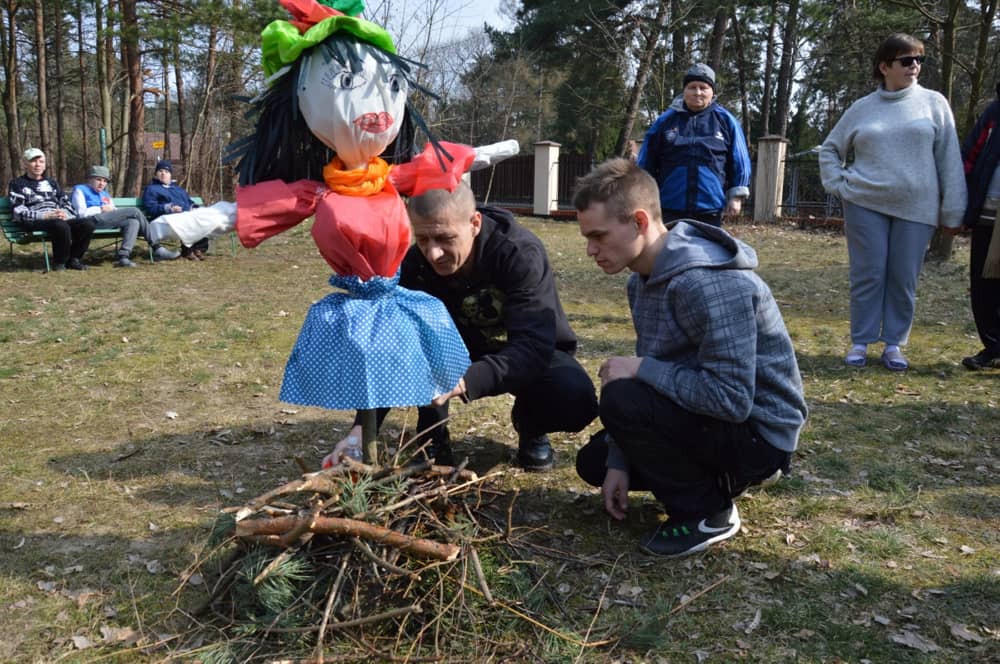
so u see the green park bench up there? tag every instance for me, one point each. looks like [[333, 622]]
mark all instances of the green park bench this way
[[15, 234]]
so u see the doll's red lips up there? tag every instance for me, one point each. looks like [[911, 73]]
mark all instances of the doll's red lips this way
[[374, 123]]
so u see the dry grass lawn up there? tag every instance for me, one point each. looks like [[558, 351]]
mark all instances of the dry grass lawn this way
[[137, 403]]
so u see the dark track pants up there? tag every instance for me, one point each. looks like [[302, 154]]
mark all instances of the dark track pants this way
[[693, 464]]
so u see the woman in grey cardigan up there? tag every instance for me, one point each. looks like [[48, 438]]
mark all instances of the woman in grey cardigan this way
[[905, 180]]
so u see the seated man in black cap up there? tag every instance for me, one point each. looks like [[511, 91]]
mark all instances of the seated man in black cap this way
[[91, 200], [162, 197], [40, 205]]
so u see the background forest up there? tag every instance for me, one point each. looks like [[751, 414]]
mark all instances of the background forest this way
[[92, 80]]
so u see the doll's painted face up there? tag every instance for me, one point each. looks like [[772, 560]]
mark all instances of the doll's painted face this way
[[355, 113]]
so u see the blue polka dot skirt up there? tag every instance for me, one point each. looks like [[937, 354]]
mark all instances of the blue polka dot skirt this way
[[378, 345]]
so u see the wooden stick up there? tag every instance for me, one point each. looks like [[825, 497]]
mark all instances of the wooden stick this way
[[524, 616], [385, 615], [266, 529], [697, 595], [437, 491], [385, 564], [322, 482], [331, 598], [477, 566]]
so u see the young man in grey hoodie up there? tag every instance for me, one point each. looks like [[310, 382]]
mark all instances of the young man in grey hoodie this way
[[712, 402]]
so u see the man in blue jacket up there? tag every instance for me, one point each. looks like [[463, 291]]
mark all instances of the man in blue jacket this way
[[697, 154], [161, 197], [712, 401]]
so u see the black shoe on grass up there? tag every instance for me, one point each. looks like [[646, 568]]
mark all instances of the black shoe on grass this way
[[535, 454], [981, 360], [674, 539]]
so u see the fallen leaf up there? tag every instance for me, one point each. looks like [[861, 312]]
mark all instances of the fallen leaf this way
[[861, 589], [880, 619], [915, 641], [124, 340], [170, 415], [962, 632], [966, 550], [119, 634], [154, 567], [805, 634], [754, 623], [81, 642], [563, 588], [627, 590]]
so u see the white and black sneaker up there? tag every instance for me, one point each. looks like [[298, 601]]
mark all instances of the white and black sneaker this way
[[674, 538]]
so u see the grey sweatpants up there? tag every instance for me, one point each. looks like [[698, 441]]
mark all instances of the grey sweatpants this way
[[885, 255], [130, 220]]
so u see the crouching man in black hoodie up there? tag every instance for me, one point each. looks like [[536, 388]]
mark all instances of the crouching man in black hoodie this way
[[495, 279]]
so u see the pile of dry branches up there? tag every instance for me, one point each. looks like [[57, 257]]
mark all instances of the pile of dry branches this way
[[355, 563]]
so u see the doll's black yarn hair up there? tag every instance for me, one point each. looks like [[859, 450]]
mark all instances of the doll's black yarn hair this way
[[283, 148]]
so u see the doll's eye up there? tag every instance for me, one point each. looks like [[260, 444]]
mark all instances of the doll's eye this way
[[349, 81], [397, 83]]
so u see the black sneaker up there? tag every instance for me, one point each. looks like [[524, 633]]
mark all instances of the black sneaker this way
[[535, 454], [674, 539], [75, 264], [981, 360]]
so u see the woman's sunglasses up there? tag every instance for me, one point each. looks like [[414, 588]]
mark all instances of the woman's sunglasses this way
[[908, 60]]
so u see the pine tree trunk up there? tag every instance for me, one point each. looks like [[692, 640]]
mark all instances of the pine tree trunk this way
[[104, 79], [181, 124], [10, 88], [60, 146], [765, 103], [81, 65], [641, 76], [718, 38], [136, 105], [43, 96], [786, 69]]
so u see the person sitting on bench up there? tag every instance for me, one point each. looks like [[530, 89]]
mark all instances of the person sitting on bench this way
[[38, 204], [91, 200]]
